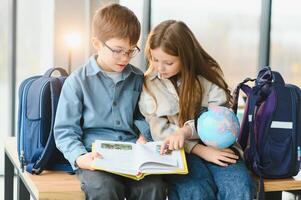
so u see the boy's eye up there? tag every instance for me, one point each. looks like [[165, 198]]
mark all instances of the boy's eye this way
[[169, 63], [155, 60], [118, 50]]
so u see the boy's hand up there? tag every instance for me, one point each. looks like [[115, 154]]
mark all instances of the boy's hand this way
[[176, 140], [85, 161], [141, 140], [221, 157]]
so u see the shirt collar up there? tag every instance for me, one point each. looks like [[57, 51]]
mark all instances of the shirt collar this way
[[93, 68], [156, 74]]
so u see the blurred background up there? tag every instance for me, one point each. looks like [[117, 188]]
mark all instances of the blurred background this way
[[242, 35]]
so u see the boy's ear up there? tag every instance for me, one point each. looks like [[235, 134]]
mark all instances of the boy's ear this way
[[96, 43]]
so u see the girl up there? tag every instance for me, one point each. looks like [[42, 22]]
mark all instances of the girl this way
[[181, 79]]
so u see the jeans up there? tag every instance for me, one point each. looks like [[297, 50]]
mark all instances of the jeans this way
[[207, 181], [99, 185]]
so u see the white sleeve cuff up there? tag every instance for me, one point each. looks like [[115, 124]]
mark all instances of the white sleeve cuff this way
[[194, 134]]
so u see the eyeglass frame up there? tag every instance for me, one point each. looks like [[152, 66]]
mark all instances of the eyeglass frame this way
[[118, 53]]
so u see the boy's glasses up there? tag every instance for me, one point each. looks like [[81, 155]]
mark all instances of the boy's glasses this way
[[118, 53]]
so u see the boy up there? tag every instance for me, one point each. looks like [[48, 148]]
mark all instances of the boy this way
[[99, 101]]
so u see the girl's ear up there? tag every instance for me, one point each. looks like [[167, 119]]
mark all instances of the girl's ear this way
[[96, 43]]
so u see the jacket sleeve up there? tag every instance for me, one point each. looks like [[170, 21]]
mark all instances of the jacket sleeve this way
[[161, 129], [237, 150], [160, 126], [216, 95], [67, 128]]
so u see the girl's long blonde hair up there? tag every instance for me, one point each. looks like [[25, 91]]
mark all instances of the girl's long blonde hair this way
[[175, 38]]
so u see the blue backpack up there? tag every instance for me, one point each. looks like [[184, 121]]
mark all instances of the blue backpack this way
[[271, 127], [38, 98]]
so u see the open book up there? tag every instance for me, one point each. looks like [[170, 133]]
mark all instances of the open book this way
[[137, 160]]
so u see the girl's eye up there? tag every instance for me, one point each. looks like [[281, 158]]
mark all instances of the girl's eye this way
[[169, 63], [155, 60]]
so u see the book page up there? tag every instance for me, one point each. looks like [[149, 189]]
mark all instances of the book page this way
[[117, 157], [151, 161], [136, 160]]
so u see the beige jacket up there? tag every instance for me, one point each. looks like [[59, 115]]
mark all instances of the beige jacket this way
[[162, 113]]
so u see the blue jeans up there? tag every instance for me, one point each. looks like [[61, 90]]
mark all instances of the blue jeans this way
[[209, 181]]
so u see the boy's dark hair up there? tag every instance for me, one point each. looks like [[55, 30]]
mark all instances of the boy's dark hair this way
[[115, 21]]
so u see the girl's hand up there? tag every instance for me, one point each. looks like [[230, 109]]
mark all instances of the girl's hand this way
[[85, 161], [176, 140], [141, 140], [221, 157]]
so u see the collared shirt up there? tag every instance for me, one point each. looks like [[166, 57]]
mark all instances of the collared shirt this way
[[115, 76], [92, 106]]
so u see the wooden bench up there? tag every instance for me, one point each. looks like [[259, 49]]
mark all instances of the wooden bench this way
[[49, 185], [273, 187], [62, 186], [286, 184]]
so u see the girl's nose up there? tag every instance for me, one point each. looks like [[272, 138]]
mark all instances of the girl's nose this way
[[161, 67]]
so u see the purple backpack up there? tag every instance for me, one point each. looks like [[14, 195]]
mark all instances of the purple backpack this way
[[270, 134]]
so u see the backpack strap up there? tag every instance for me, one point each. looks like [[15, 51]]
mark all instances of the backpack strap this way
[[244, 128], [42, 156], [49, 72], [245, 88], [256, 164], [277, 78], [259, 94], [264, 76]]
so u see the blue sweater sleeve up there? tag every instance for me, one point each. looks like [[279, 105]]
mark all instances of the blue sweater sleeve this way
[[142, 125]]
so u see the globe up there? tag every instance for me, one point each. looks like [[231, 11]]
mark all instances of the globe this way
[[218, 127]]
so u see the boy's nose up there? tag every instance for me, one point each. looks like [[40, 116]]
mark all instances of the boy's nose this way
[[125, 57]]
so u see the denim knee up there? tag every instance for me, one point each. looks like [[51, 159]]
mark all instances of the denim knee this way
[[198, 184], [233, 182], [193, 189], [236, 191]]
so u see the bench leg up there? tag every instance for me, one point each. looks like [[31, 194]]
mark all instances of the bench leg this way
[[22, 192], [273, 195], [8, 179]]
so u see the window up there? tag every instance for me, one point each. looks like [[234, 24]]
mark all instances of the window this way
[[137, 8], [285, 39], [4, 75], [228, 31], [34, 38]]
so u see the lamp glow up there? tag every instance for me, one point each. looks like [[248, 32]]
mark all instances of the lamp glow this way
[[73, 40]]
